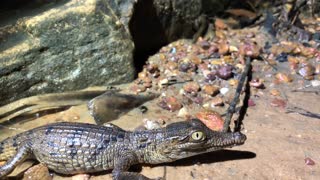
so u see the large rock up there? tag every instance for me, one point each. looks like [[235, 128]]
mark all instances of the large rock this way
[[56, 46], [70, 46]]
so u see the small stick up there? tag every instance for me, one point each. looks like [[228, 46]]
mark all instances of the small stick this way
[[233, 104], [265, 60], [303, 112]]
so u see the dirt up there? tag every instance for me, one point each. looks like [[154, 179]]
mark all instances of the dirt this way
[[277, 144]]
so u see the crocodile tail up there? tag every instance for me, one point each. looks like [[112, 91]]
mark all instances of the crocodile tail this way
[[8, 148]]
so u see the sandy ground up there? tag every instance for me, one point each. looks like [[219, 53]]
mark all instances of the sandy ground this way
[[276, 147]]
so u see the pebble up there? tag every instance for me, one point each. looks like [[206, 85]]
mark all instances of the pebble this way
[[81, 177], [315, 83], [223, 48], [278, 103], [257, 83], [170, 103], [307, 71], [251, 103], [274, 92], [211, 89], [233, 82], [163, 83], [191, 87], [233, 49], [282, 77], [151, 124], [282, 57], [216, 101], [211, 119], [224, 90], [225, 71], [37, 172], [308, 161], [183, 112]]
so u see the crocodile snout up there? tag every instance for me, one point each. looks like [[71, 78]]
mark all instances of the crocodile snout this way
[[239, 138]]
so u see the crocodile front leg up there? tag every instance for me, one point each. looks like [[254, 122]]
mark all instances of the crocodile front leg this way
[[120, 171], [21, 155]]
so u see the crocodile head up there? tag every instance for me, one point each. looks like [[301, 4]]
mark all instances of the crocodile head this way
[[189, 138]]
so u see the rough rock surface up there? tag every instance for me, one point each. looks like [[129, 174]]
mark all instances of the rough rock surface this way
[[61, 45], [72, 45]]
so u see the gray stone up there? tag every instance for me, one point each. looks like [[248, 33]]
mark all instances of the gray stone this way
[[71, 46], [63, 45]]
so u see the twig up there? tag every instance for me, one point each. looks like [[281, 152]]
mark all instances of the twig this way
[[308, 90], [265, 60], [303, 112], [209, 56], [233, 104]]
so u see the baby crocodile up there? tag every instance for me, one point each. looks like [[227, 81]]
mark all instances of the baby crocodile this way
[[72, 148]]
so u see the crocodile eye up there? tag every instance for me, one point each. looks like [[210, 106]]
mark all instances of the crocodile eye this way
[[198, 135]]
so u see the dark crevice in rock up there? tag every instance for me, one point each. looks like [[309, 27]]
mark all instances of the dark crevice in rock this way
[[43, 49], [147, 32]]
